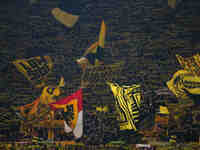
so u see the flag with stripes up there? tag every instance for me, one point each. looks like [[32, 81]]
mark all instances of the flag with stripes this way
[[35, 69], [190, 64], [128, 103], [184, 83]]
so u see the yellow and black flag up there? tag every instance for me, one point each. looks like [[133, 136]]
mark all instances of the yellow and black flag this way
[[96, 48], [184, 82], [35, 69], [190, 64], [128, 103], [187, 81]]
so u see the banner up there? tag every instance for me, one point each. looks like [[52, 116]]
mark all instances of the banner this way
[[35, 69], [190, 64], [184, 82], [128, 102]]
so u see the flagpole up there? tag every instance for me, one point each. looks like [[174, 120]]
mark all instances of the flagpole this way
[[50, 129]]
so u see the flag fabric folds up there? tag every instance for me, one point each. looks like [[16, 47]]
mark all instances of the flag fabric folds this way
[[35, 69], [72, 110], [190, 64], [68, 12], [97, 48], [184, 82], [128, 102], [67, 19]]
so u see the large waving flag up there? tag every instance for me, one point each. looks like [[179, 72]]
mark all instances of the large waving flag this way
[[96, 48], [72, 111], [186, 82], [183, 83], [35, 69], [128, 102]]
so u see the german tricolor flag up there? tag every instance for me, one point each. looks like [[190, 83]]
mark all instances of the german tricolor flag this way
[[72, 109]]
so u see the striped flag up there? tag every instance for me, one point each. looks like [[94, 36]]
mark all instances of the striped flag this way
[[128, 102], [72, 112], [35, 69], [184, 82], [190, 64]]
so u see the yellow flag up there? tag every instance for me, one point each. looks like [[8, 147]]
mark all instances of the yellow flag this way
[[127, 102], [163, 110], [100, 43], [183, 81], [191, 64], [67, 19], [35, 69], [102, 35]]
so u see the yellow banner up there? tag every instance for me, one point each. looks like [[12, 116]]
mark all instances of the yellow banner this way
[[183, 81], [128, 101], [35, 69], [191, 64]]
